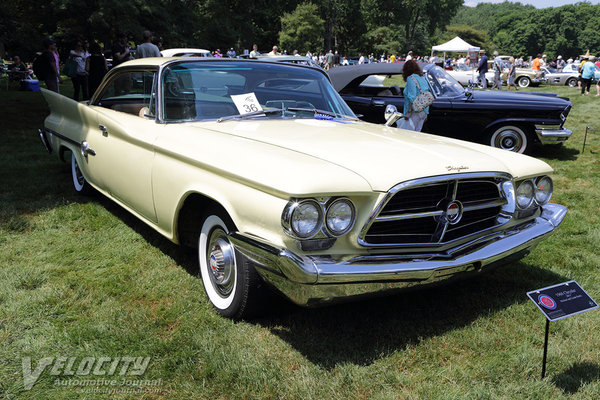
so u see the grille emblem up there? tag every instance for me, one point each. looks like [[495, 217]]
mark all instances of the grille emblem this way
[[454, 212]]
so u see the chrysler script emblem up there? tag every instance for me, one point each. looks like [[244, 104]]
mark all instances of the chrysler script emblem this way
[[454, 212]]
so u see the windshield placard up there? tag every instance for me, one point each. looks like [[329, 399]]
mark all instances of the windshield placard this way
[[246, 103]]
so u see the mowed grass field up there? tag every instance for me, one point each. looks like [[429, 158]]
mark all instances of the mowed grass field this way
[[80, 277]]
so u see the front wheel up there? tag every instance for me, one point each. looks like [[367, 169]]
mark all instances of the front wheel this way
[[80, 184], [509, 137], [524, 82], [572, 82], [229, 278]]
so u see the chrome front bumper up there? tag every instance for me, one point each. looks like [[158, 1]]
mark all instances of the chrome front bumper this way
[[311, 280], [549, 135]]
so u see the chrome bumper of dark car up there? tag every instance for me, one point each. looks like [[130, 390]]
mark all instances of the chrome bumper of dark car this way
[[311, 280], [552, 134]]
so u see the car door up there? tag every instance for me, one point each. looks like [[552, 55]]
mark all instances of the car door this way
[[124, 141]]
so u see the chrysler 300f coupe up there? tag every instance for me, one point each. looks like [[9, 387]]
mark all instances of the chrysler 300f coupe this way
[[509, 121], [265, 170]]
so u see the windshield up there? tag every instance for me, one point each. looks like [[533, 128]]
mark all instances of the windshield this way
[[196, 91], [442, 84]]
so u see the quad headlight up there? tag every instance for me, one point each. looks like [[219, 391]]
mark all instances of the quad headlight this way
[[534, 192], [525, 193], [306, 219], [340, 217], [543, 190], [326, 219]]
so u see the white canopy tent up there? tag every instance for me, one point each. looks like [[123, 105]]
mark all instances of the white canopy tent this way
[[456, 45]]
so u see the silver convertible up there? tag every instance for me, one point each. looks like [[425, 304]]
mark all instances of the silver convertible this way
[[264, 169]]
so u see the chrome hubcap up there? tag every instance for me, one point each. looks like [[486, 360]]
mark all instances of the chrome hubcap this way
[[221, 262], [509, 140]]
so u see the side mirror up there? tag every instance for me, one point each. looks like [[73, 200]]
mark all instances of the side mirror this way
[[391, 115]]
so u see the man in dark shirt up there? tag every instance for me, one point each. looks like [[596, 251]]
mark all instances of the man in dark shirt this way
[[18, 70], [52, 76], [483, 68], [120, 50]]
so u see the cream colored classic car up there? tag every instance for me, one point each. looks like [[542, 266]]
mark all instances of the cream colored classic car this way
[[266, 170]]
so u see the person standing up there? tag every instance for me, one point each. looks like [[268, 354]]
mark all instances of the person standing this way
[[120, 50], [45, 66], [512, 74], [482, 68], [416, 83], [274, 52], [587, 74], [254, 53], [497, 71], [409, 56], [329, 60], [361, 59], [80, 80], [96, 66], [560, 64], [147, 48]]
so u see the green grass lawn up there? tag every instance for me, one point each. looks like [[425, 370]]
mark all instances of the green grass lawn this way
[[80, 277]]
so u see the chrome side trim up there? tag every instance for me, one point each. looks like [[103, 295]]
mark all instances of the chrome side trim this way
[[311, 280], [63, 137]]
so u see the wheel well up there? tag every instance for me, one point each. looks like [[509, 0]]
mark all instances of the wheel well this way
[[61, 153], [189, 219]]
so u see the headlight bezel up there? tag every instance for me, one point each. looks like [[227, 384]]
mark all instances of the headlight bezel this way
[[321, 230], [534, 200]]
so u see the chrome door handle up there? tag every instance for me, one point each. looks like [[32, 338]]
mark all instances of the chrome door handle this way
[[379, 103], [103, 129]]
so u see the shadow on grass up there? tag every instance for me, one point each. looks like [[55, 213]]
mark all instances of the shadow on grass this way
[[363, 332], [571, 380], [555, 152]]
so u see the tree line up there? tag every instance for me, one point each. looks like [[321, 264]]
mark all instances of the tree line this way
[[349, 26]]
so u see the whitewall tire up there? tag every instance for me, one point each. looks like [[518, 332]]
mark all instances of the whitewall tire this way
[[80, 184], [509, 137]]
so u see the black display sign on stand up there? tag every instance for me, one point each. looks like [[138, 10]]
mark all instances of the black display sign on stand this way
[[558, 302]]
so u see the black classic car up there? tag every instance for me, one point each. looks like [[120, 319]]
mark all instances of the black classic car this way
[[507, 120]]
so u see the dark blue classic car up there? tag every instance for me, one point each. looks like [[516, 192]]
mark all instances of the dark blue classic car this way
[[507, 120]]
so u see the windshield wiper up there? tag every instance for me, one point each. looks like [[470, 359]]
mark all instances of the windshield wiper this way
[[322, 112], [252, 114]]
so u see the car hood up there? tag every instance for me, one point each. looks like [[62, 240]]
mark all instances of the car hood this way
[[382, 156]]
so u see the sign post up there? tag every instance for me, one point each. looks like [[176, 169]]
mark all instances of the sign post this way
[[558, 302]]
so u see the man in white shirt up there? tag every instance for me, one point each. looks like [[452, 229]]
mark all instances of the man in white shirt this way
[[147, 49], [409, 56]]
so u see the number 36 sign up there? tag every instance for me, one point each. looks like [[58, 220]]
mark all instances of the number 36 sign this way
[[246, 103]]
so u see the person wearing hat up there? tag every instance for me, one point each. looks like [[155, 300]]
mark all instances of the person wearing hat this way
[[482, 68], [587, 69], [543, 61], [560, 63], [47, 60]]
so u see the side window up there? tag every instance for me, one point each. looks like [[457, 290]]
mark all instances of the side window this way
[[131, 92]]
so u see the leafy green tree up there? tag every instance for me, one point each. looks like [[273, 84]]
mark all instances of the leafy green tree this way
[[302, 29]]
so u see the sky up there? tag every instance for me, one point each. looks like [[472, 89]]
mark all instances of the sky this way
[[535, 3]]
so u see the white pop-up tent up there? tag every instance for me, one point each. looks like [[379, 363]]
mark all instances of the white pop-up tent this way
[[456, 45]]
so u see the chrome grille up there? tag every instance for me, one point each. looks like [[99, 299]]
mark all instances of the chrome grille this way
[[419, 212]]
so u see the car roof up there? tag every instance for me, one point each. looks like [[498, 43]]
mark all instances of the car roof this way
[[353, 75], [171, 52]]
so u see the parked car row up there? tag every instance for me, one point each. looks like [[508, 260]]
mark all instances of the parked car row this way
[[507, 120], [267, 171]]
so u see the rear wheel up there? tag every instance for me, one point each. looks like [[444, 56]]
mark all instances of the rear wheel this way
[[509, 137], [231, 283], [79, 183], [523, 82], [572, 82]]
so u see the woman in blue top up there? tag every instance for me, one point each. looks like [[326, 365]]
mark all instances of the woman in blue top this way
[[587, 74], [413, 76]]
